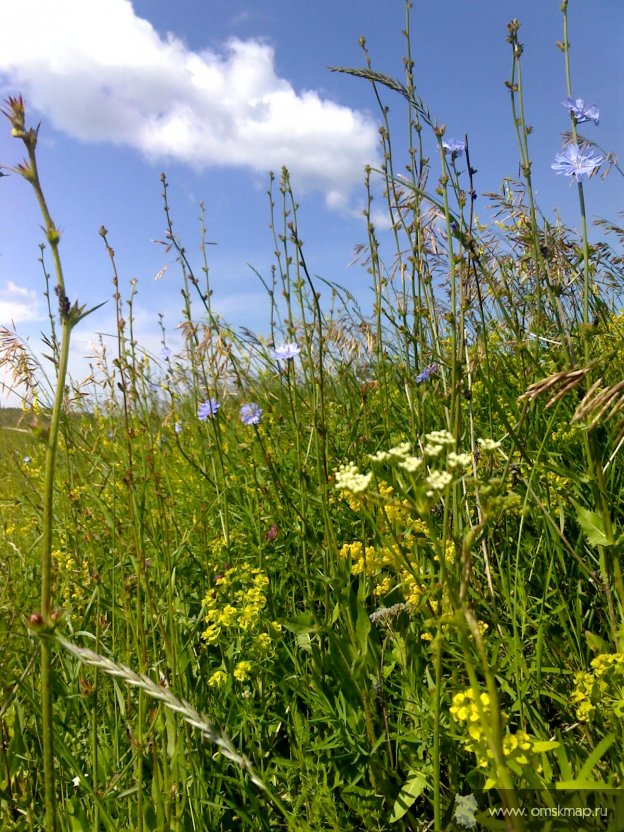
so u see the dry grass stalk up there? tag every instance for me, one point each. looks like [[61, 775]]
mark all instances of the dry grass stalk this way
[[610, 399], [16, 356], [562, 382]]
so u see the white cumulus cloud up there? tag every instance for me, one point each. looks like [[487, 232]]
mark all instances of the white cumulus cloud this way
[[101, 73], [17, 304]]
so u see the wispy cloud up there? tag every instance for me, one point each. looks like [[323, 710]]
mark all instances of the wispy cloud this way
[[101, 73], [18, 304]]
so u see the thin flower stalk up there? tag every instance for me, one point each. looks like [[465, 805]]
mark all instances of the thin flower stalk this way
[[609, 564], [29, 171], [516, 91]]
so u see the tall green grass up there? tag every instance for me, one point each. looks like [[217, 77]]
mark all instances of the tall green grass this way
[[392, 598]]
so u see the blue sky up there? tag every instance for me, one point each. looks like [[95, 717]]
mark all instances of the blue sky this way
[[218, 92]]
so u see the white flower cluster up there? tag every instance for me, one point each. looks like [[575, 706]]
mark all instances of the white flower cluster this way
[[437, 444], [437, 440], [398, 452], [348, 478], [437, 481], [411, 464], [488, 446], [401, 455], [440, 437], [454, 460], [380, 456]]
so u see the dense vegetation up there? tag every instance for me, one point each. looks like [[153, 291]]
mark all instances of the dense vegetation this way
[[360, 573]]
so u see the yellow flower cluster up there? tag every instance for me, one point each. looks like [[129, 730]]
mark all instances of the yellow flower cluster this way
[[237, 601], [235, 605], [605, 686], [372, 561], [364, 560], [396, 511], [242, 671], [560, 488], [412, 589], [395, 565], [393, 511], [261, 645], [218, 679], [450, 554], [73, 577], [520, 750], [386, 565], [354, 501]]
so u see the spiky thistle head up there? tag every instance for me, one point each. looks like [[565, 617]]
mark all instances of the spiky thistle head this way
[[16, 113]]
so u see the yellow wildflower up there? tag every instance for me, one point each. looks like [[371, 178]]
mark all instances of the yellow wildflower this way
[[242, 671], [218, 679]]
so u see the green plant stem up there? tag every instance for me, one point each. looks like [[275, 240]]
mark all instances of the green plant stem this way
[[28, 170], [30, 140], [454, 412], [608, 564], [437, 701]]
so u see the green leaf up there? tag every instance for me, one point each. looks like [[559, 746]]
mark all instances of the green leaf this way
[[465, 810], [412, 788], [362, 629], [303, 623], [77, 313], [545, 745], [579, 785], [304, 641], [595, 643], [593, 525], [597, 754]]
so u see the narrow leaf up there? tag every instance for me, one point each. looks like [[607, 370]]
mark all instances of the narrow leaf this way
[[413, 788]]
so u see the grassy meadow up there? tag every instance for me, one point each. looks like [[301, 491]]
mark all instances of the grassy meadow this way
[[360, 571]]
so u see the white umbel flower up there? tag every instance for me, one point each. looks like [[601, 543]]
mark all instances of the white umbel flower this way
[[348, 478], [438, 481], [454, 460], [411, 464], [488, 446], [440, 437]]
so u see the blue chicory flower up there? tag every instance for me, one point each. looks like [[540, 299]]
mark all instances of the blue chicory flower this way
[[26, 460], [207, 409], [454, 147], [426, 374], [577, 162], [250, 414], [581, 111], [178, 427], [286, 351], [165, 353]]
